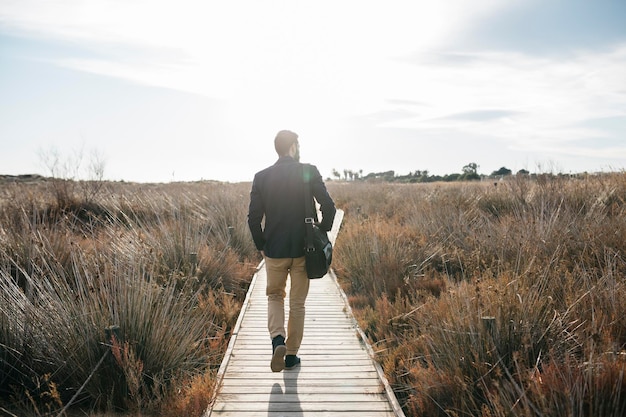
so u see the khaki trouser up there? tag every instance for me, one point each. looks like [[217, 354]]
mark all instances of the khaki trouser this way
[[277, 270]]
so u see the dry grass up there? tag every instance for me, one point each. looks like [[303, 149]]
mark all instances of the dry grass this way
[[481, 300], [168, 264], [492, 300]]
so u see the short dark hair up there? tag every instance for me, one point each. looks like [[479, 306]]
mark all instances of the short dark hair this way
[[283, 141]]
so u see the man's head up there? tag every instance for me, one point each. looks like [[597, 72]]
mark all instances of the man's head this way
[[286, 143]]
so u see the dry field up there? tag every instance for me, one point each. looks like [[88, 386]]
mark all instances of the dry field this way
[[168, 264], [480, 299], [492, 300]]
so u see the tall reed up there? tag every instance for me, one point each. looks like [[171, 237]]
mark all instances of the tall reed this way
[[166, 264], [492, 299]]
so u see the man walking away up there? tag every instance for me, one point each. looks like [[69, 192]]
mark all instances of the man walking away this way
[[278, 195]]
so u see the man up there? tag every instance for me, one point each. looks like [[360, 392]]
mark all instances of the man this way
[[278, 195]]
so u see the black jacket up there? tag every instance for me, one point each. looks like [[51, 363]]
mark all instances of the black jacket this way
[[278, 195]]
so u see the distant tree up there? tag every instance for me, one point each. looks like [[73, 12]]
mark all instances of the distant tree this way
[[471, 168], [522, 172], [384, 176], [470, 172], [417, 176], [336, 174], [452, 177], [501, 172], [70, 176]]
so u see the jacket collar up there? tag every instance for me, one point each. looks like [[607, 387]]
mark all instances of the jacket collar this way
[[285, 159]]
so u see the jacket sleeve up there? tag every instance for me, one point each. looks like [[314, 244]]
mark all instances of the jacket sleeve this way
[[256, 211], [327, 205]]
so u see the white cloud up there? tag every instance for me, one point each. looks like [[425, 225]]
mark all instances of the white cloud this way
[[545, 99], [245, 49], [323, 67]]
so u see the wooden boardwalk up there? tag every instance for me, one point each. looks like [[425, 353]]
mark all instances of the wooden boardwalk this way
[[337, 377]]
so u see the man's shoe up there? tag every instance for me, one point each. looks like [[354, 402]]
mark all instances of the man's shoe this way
[[278, 353], [291, 362]]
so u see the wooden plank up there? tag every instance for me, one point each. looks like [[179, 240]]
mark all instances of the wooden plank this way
[[309, 375], [259, 388], [294, 397], [313, 342], [304, 406], [311, 360], [335, 413], [344, 334], [335, 360], [305, 350], [312, 331], [341, 334], [310, 372], [268, 379]]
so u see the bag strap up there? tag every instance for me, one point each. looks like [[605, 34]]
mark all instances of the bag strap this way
[[308, 208], [309, 220]]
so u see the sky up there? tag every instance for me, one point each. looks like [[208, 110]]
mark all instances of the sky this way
[[186, 90]]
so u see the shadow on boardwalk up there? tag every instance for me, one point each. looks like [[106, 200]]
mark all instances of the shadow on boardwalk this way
[[337, 375]]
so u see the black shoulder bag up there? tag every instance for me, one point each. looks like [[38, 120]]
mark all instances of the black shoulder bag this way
[[318, 251]]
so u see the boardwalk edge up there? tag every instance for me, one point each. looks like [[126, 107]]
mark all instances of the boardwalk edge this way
[[231, 343], [391, 396]]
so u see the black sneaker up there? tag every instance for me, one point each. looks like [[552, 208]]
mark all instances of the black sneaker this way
[[278, 353], [291, 362]]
